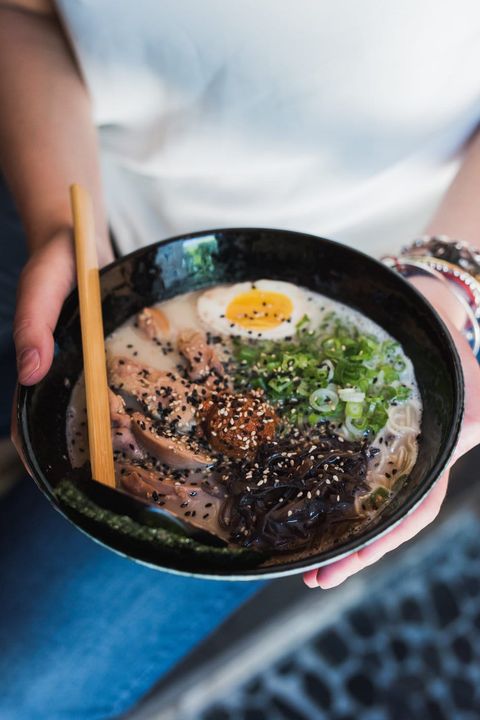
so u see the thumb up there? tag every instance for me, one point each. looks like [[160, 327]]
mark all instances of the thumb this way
[[44, 284]]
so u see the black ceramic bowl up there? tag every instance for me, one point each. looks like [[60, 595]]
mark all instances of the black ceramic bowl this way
[[175, 266]]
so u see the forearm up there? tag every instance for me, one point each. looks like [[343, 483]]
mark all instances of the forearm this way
[[47, 137], [458, 214]]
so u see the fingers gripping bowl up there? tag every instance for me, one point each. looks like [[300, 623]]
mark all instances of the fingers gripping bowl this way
[[200, 262]]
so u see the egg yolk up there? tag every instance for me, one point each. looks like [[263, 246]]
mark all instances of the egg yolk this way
[[259, 309]]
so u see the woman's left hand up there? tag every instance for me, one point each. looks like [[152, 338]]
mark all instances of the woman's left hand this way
[[334, 574]]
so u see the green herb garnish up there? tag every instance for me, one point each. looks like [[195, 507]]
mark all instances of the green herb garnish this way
[[377, 498], [334, 373]]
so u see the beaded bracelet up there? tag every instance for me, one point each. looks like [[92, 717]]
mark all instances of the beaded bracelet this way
[[465, 282], [409, 268], [453, 262], [457, 252]]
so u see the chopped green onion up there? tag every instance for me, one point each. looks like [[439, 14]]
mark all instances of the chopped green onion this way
[[333, 372], [328, 366], [279, 385], [324, 400], [354, 410], [378, 497], [302, 322], [351, 395]]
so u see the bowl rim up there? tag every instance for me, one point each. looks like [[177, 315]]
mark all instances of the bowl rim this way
[[336, 553]]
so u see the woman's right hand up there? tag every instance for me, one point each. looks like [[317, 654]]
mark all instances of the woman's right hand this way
[[45, 282]]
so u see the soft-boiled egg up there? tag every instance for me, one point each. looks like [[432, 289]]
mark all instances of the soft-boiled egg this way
[[267, 309]]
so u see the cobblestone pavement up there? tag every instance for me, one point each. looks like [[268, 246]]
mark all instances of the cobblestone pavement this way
[[408, 648]]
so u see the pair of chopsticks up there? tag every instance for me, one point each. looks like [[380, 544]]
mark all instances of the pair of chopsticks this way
[[93, 344]]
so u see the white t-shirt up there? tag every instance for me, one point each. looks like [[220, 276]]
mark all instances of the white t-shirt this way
[[341, 118]]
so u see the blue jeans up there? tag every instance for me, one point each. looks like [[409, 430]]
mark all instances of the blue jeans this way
[[84, 634]]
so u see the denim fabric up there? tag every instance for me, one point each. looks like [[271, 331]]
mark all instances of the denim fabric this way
[[84, 633]]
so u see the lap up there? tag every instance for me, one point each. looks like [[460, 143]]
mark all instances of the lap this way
[[85, 633]]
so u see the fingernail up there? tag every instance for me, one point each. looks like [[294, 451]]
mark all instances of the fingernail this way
[[28, 363]]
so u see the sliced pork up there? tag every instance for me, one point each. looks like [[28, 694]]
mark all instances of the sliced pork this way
[[125, 444], [162, 394], [118, 413], [202, 358], [152, 322], [173, 451], [191, 503]]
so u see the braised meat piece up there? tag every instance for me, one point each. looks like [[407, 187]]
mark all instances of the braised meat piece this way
[[118, 414], [201, 358], [198, 504], [237, 425], [152, 322], [125, 444], [172, 451], [141, 481], [162, 394]]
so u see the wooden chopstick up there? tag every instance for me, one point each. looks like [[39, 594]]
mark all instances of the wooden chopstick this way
[[94, 361]]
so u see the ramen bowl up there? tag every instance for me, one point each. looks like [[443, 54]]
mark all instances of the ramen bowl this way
[[191, 262]]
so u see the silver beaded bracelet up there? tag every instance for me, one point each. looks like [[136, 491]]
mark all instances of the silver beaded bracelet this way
[[453, 262], [456, 252]]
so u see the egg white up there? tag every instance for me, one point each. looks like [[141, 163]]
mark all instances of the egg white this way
[[213, 303]]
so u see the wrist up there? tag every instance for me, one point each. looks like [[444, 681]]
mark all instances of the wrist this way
[[447, 304]]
